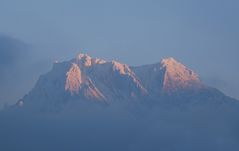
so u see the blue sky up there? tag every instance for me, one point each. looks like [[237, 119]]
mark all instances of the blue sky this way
[[203, 34]]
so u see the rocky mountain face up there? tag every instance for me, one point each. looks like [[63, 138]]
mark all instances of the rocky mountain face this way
[[91, 79]]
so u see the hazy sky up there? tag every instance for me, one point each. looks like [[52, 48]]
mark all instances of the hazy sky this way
[[203, 34]]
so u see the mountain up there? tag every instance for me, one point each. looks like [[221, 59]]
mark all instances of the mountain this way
[[168, 76], [95, 80]]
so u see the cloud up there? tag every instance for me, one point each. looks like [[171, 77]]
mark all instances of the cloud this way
[[120, 127], [11, 51], [14, 60]]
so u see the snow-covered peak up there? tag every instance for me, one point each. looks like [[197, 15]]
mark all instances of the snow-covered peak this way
[[177, 76], [84, 59], [175, 67], [87, 61], [170, 62], [90, 78], [82, 56]]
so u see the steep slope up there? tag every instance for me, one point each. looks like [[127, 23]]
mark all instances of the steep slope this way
[[168, 76], [74, 79], [118, 81], [178, 77], [77, 82]]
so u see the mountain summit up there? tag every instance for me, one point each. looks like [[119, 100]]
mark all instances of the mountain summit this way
[[84, 78], [177, 76]]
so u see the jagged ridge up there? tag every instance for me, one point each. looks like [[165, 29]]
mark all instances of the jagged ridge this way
[[87, 78]]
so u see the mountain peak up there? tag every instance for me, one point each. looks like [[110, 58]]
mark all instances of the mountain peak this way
[[87, 78], [170, 61], [87, 61], [82, 55], [178, 76], [84, 59]]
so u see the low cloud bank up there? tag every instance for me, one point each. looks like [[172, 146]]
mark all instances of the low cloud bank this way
[[120, 127]]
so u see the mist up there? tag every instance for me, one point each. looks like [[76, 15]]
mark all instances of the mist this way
[[121, 126], [20, 67]]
